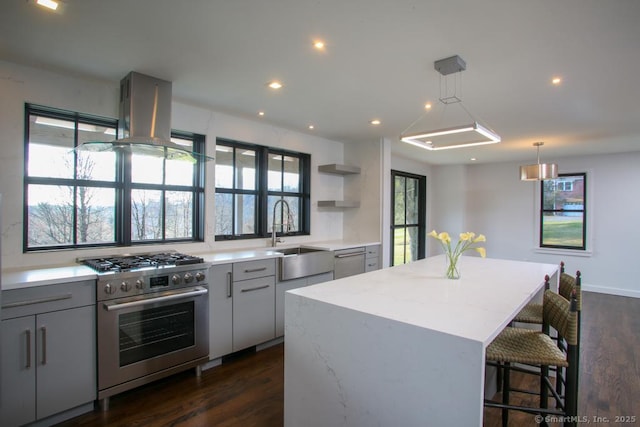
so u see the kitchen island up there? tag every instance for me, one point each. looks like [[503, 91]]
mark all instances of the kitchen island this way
[[400, 346]]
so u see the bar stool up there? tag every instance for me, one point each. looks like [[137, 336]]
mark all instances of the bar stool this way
[[532, 312], [534, 348]]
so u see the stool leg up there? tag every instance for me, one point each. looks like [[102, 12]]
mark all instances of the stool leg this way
[[544, 392], [499, 377], [505, 393]]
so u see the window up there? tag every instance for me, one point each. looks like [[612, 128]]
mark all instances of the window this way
[[563, 212], [408, 212], [250, 179], [75, 199]]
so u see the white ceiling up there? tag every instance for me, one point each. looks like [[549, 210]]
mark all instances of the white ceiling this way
[[378, 63]]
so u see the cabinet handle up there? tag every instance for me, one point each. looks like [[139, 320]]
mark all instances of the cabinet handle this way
[[229, 287], [43, 329], [37, 301], [255, 289], [350, 254], [255, 270], [28, 335]]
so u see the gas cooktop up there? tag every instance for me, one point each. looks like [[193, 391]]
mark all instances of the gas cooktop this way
[[121, 263]]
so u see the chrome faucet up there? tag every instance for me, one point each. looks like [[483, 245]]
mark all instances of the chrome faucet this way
[[275, 240]]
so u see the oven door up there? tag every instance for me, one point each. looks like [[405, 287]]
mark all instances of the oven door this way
[[139, 336]]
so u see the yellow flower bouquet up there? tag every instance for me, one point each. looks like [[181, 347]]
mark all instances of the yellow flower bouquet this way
[[467, 241]]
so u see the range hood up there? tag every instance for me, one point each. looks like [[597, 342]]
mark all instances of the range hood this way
[[145, 121]]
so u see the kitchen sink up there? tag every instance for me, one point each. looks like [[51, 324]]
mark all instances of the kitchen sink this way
[[302, 262], [298, 251]]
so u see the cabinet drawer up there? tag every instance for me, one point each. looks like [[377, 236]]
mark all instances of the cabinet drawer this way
[[253, 269], [371, 264], [372, 251], [43, 299]]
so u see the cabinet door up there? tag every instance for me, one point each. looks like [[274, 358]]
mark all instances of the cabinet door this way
[[253, 312], [281, 288], [220, 311], [18, 372], [66, 360]]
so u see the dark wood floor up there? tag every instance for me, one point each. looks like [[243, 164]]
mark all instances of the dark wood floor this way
[[248, 390]]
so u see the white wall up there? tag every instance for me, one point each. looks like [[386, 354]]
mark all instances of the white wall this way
[[19, 84], [493, 201], [363, 224]]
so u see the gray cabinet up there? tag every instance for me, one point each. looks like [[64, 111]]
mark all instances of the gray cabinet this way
[[48, 351], [253, 311], [372, 258], [242, 305], [221, 311], [253, 291]]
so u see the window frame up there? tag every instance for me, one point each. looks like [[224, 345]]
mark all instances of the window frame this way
[[585, 227], [420, 226], [262, 192], [121, 184]]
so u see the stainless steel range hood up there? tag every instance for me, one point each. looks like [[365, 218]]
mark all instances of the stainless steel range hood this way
[[145, 121]]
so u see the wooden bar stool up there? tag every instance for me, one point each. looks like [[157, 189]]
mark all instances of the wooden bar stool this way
[[538, 349], [532, 312]]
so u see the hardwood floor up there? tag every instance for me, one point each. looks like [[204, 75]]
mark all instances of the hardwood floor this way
[[248, 390]]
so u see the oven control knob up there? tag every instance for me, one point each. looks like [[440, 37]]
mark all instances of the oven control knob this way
[[108, 289], [125, 286], [199, 276], [175, 279], [139, 284], [188, 278]]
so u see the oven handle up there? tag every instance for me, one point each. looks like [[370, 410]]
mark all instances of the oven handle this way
[[111, 306]]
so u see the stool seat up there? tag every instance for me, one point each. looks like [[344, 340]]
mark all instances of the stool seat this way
[[531, 313], [516, 345]]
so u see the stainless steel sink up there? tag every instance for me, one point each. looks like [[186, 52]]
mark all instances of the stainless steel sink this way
[[302, 262]]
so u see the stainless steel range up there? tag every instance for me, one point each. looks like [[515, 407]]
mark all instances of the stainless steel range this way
[[153, 318]]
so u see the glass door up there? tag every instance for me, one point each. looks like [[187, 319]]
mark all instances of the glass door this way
[[408, 211]]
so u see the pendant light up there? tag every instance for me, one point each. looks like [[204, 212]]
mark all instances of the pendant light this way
[[467, 134], [539, 171]]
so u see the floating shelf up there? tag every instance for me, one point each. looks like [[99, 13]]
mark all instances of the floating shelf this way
[[338, 204], [339, 169]]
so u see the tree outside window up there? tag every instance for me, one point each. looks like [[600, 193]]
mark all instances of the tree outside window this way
[[249, 180], [79, 198]]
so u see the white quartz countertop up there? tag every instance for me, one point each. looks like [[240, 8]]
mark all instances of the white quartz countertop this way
[[336, 245], [46, 276], [15, 278], [476, 306]]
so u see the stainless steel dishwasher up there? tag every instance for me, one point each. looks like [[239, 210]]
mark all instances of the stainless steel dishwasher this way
[[348, 262]]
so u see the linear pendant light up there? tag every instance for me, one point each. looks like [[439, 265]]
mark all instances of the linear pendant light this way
[[538, 171], [465, 135]]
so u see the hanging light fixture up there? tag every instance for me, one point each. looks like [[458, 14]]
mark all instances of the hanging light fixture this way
[[539, 171], [468, 134]]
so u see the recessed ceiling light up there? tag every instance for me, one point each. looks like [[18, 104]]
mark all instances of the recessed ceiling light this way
[[556, 81], [427, 106], [375, 122], [473, 159], [318, 44], [275, 84], [261, 113], [311, 126], [49, 4]]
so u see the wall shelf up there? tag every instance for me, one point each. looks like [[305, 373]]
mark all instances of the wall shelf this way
[[339, 169], [338, 204]]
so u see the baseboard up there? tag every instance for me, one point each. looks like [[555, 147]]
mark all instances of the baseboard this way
[[611, 291]]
